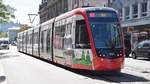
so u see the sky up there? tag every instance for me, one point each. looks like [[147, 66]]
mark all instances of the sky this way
[[23, 8]]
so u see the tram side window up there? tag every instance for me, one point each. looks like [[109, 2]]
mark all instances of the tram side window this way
[[30, 39], [45, 40], [82, 39], [68, 37], [35, 38], [59, 37], [48, 40], [42, 41], [27, 39]]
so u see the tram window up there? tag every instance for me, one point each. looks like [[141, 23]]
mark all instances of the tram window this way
[[27, 39], [42, 41], [59, 35], [68, 30], [48, 41], [63, 31], [36, 38], [30, 38], [45, 40], [68, 37], [82, 39]]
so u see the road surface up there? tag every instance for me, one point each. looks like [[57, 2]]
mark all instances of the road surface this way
[[23, 69]]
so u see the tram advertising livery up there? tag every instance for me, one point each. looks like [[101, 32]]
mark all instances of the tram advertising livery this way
[[85, 38]]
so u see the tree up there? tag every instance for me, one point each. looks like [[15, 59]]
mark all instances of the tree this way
[[6, 12], [3, 34]]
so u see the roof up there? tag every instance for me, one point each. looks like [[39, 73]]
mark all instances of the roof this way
[[99, 9], [85, 9], [14, 28], [4, 38]]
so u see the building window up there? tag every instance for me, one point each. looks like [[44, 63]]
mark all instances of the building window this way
[[127, 13], [135, 10], [44, 1], [144, 9]]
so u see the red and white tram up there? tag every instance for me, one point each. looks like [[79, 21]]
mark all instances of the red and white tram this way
[[85, 38]]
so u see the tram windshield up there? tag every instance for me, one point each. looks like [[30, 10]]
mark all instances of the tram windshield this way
[[105, 31]]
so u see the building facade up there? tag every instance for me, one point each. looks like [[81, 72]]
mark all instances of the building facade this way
[[85, 3], [133, 13], [52, 8], [135, 18]]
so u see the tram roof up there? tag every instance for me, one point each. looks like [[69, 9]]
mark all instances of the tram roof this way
[[99, 9], [81, 10]]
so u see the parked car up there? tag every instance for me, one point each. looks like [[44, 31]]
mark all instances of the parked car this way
[[4, 43], [142, 50]]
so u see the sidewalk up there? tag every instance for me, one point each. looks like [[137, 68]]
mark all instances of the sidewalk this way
[[2, 75]]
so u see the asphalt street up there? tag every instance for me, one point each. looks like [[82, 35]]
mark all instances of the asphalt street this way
[[18, 68]]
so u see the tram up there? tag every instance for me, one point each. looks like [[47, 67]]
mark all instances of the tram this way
[[88, 38]]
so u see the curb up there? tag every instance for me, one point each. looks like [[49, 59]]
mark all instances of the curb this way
[[2, 75]]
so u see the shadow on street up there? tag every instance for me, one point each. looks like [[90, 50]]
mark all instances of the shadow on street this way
[[7, 55], [111, 77]]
